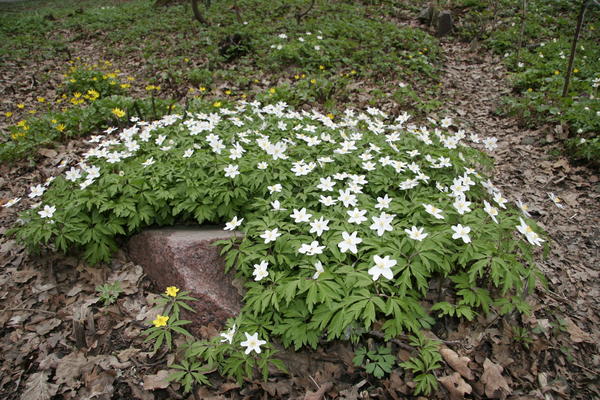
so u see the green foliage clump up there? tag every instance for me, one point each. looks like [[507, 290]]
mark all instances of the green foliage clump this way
[[345, 222], [95, 82], [25, 137], [536, 45]]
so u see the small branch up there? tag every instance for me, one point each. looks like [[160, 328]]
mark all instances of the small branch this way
[[301, 15], [197, 14], [28, 310], [400, 343], [574, 47]]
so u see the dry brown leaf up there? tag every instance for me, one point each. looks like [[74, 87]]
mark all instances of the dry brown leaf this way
[[459, 364], [37, 387], [496, 386], [98, 385], [49, 153], [456, 385], [158, 381], [46, 326], [577, 334], [319, 394], [70, 368]]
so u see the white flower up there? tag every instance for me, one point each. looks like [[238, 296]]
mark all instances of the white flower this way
[[319, 226], [490, 143], [383, 202], [252, 342], [436, 212], [416, 233], [368, 166], [228, 336], [260, 270], [357, 216], [271, 236], [234, 223], [319, 270], [555, 199], [262, 165], [382, 223], [347, 198], [311, 249], [326, 184], [275, 188], [73, 174], [462, 205], [492, 211], [47, 212], [501, 201], [86, 183], [461, 232], [277, 206], [231, 171], [282, 36], [531, 236], [300, 215], [383, 266], [147, 163], [188, 153], [36, 191], [524, 208], [12, 202], [327, 200], [349, 242]]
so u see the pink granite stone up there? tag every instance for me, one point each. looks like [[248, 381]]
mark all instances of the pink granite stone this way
[[186, 257]]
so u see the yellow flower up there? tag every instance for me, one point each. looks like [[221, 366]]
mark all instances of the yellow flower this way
[[22, 123], [60, 127], [313, 81], [41, 99], [72, 80], [575, 71], [228, 92], [186, 59], [93, 94], [21, 106], [272, 90], [130, 78], [330, 116], [203, 89], [8, 114], [32, 111], [217, 104], [530, 90], [243, 96], [161, 320], [353, 72], [256, 81], [125, 85], [321, 67], [77, 95], [172, 291], [303, 75], [557, 72], [118, 112], [296, 76], [54, 121]]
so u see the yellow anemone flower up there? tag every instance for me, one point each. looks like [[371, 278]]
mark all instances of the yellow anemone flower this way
[[161, 320], [172, 291]]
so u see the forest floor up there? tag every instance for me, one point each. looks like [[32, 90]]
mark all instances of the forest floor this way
[[43, 299]]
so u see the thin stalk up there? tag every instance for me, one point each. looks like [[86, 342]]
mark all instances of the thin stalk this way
[[580, 19]]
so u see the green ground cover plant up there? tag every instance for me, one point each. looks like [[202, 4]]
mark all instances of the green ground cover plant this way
[[261, 42], [536, 45], [348, 220]]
